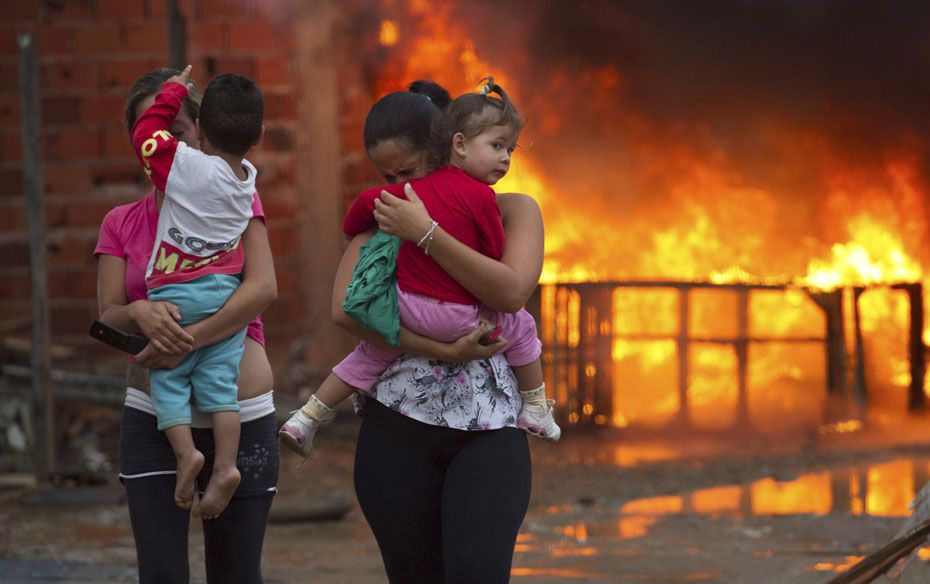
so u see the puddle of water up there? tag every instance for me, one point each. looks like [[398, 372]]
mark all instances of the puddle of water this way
[[878, 490]]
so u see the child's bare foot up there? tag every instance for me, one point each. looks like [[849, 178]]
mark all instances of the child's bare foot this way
[[220, 490], [188, 468]]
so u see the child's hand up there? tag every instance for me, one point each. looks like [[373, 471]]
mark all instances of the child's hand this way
[[407, 219], [184, 78]]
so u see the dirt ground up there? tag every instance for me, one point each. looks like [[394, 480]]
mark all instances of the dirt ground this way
[[606, 507]]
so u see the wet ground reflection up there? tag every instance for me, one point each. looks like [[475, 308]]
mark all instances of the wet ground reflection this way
[[578, 539]]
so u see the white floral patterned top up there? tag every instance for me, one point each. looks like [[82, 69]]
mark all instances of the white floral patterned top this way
[[474, 395]]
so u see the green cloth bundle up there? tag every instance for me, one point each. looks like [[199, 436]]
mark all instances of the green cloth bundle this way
[[371, 297]]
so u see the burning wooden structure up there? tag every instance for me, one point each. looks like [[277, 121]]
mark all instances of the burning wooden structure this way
[[579, 356]]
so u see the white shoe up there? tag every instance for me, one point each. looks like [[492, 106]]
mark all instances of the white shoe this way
[[297, 433], [536, 418]]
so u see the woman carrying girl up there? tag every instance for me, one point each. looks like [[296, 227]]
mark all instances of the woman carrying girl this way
[[482, 131], [233, 542], [444, 496]]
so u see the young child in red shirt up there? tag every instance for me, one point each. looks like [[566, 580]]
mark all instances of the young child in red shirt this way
[[483, 132]]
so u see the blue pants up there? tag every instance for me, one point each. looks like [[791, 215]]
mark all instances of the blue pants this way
[[210, 373]]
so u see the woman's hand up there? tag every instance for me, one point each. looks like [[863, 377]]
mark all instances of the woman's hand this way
[[407, 219], [152, 358], [159, 322], [468, 348]]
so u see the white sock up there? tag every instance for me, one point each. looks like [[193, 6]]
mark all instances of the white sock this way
[[317, 410], [537, 395]]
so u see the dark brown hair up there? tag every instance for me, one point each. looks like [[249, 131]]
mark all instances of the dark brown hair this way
[[147, 86], [471, 113], [413, 117], [231, 113]]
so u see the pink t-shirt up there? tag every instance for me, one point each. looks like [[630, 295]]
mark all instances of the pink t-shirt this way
[[128, 232]]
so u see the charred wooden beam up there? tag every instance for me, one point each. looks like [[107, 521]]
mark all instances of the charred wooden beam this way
[[682, 342], [741, 346], [860, 392], [43, 436], [832, 305], [916, 398]]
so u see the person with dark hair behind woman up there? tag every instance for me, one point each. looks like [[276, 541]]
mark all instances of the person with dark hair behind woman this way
[[442, 473], [233, 541]]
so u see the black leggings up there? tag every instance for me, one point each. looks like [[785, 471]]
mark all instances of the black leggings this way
[[233, 541], [445, 505]]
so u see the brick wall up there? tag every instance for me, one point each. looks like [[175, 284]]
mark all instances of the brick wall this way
[[90, 53]]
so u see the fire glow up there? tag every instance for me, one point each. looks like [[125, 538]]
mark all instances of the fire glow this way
[[629, 194]]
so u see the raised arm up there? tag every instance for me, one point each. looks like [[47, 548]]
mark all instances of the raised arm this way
[[503, 285], [466, 348]]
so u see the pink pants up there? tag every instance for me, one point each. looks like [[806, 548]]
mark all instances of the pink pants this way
[[443, 321]]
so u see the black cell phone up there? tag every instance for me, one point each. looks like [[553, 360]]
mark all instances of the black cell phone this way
[[488, 337], [129, 342]]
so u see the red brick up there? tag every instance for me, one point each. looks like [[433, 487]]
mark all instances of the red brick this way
[[279, 106], [14, 254], [96, 40], [19, 10], [55, 216], [80, 284], [68, 251], [11, 148], [118, 172], [70, 143], [9, 111], [12, 219], [123, 73], [102, 109], [353, 135], [120, 9], [190, 9], [115, 142], [270, 176], [15, 287], [151, 38], [279, 206], [8, 41], [214, 8], [86, 214], [359, 172], [256, 35], [70, 76], [277, 139], [239, 65], [206, 37], [60, 110], [69, 9], [54, 40], [12, 181], [66, 179], [70, 318], [9, 76], [274, 71]]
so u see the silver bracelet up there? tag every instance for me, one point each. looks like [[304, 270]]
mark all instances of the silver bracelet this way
[[428, 237]]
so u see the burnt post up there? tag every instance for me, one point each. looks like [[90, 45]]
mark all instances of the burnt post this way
[[40, 360], [860, 392], [837, 386], [741, 346], [177, 36], [595, 371], [684, 312], [916, 399]]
